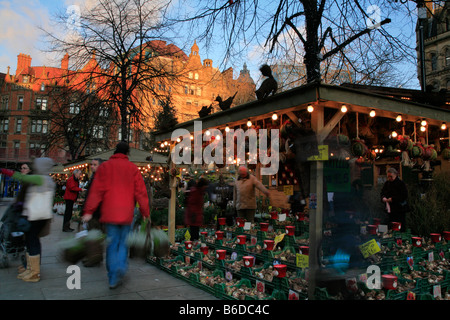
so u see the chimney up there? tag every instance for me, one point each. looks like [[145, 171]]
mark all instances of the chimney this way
[[23, 63], [65, 62]]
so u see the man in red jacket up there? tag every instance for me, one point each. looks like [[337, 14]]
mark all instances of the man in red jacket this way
[[117, 186], [70, 196]]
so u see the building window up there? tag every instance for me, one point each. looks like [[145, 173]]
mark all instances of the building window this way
[[41, 104], [39, 126], [447, 57], [20, 103], [74, 108], [4, 125], [98, 132], [190, 75], [186, 89], [433, 62], [42, 86], [5, 103], [19, 125], [196, 76], [25, 79]]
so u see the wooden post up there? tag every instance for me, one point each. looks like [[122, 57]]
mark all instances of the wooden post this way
[[173, 199], [316, 214]]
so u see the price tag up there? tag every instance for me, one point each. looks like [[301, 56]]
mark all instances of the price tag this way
[[247, 225], [278, 239], [369, 248], [302, 260]]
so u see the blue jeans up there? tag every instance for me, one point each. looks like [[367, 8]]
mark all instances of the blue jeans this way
[[116, 251]]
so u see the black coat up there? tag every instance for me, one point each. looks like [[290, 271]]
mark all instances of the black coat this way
[[399, 193]]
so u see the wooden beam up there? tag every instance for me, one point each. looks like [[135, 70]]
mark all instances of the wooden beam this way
[[315, 214], [323, 133]]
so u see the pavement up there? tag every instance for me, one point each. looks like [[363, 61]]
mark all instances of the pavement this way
[[142, 282]]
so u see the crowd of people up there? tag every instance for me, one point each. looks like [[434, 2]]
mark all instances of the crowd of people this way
[[114, 190]]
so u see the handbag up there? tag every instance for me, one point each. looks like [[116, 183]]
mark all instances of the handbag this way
[[45, 231], [39, 205]]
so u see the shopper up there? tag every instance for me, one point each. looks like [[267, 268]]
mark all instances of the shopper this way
[[224, 193], [70, 197], [37, 210], [118, 184], [94, 223], [194, 208], [394, 195], [245, 194]]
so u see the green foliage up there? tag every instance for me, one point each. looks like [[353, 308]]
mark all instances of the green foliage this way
[[166, 119], [430, 210]]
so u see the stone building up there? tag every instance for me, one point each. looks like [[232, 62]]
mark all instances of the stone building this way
[[436, 34], [27, 95]]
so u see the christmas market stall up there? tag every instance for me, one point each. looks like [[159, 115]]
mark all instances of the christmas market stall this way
[[323, 152]]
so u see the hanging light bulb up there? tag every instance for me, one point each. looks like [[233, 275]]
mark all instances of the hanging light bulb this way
[[218, 137], [423, 123], [310, 108], [274, 117], [423, 128], [344, 108], [162, 145], [227, 129], [394, 134], [192, 137], [443, 126], [399, 118], [208, 132], [249, 123], [372, 113], [166, 143], [178, 140]]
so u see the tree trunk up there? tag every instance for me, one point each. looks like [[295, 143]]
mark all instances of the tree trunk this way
[[312, 60]]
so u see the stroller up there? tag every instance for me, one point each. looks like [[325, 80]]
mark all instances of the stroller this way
[[12, 240]]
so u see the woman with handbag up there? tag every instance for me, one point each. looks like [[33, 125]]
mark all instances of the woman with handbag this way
[[37, 211]]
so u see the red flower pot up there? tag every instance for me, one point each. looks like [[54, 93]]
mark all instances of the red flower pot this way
[[273, 215], [268, 244], [372, 229], [396, 226], [222, 221], [416, 241], [304, 250], [435, 237], [264, 226], [204, 233], [219, 235], [300, 216], [220, 254], [240, 222], [188, 245], [280, 270], [447, 235], [249, 261], [290, 230], [242, 239], [390, 281], [204, 249]]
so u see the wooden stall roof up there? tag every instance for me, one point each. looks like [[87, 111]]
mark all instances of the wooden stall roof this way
[[330, 96], [137, 156]]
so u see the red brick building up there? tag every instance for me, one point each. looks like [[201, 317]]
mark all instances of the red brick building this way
[[27, 95]]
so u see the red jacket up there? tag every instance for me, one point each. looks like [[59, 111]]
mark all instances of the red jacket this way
[[72, 189], [194, 207], [117, 186]]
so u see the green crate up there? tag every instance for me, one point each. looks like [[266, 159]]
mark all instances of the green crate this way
[[322, 294], [393, 295]]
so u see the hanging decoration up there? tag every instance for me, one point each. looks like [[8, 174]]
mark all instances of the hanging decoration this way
[[405, 145]]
